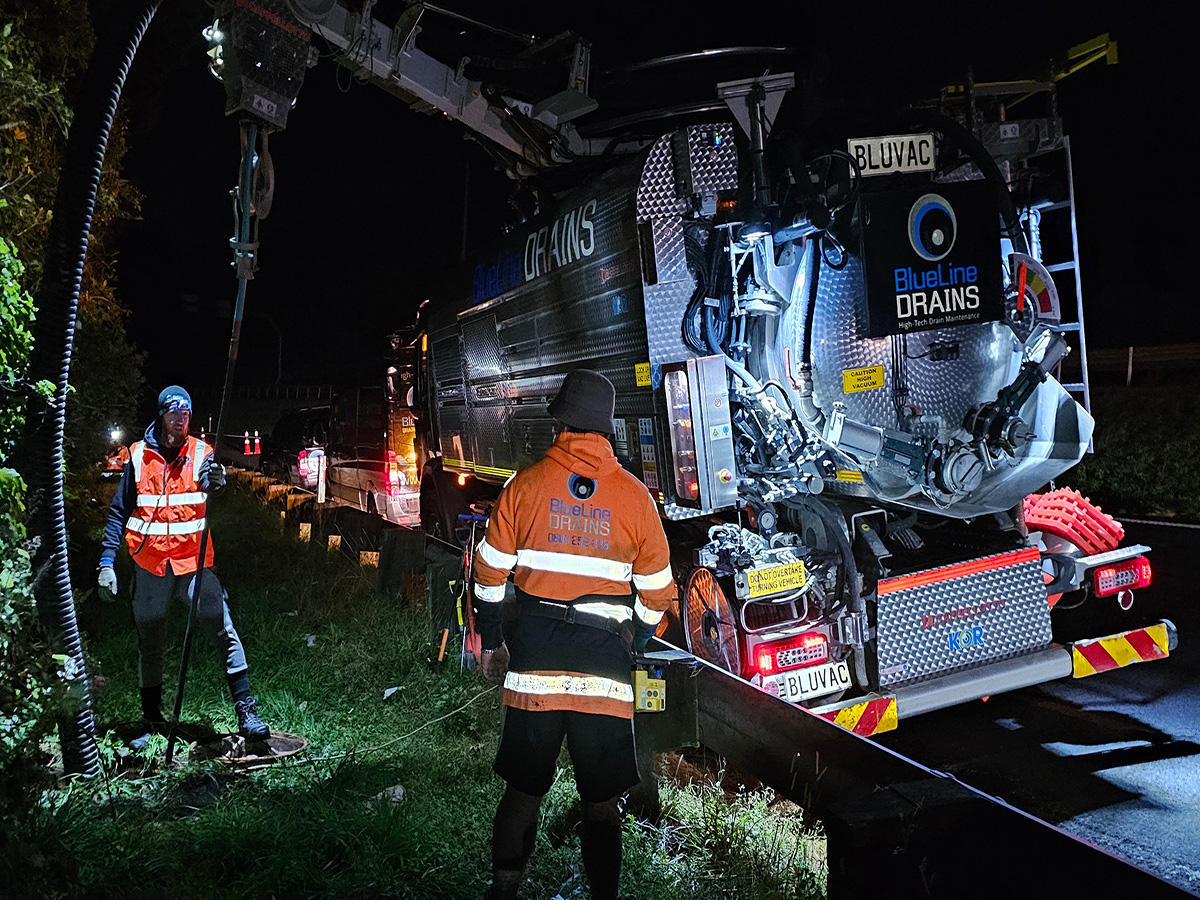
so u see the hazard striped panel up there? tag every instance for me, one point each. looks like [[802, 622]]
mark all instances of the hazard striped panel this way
[[1118, 650], [866, 718]]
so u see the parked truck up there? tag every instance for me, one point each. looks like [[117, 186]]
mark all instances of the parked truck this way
[[838, 360]]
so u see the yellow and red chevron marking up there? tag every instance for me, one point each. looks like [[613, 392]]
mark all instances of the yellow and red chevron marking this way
[[1115, 651], [866, 718]]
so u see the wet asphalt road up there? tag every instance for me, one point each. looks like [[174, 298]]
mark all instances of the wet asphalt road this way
[[1114, 758]]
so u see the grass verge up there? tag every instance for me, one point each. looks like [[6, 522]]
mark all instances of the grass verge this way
[[323, 647], [1145, 441]]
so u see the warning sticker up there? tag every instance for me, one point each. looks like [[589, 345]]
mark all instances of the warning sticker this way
[[642, 373], [776, 579], [868, 378], [849, 475], [649, 463]]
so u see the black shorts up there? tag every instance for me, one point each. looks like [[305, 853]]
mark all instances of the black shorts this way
[[601, 749]]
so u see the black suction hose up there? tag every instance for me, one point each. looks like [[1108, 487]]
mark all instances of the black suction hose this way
[[974, 148], [833, 526], [54, 338]]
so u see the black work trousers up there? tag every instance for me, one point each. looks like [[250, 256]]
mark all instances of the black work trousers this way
[[152, 595]]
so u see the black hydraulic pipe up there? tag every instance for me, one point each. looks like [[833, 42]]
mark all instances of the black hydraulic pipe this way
[[833, 525], [243, 251], [54, 339], [974, 148]]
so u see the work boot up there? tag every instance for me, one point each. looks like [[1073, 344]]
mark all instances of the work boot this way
[[152, 713], [250, 726]]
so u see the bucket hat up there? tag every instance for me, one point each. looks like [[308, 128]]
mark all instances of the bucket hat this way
[[585, 401]]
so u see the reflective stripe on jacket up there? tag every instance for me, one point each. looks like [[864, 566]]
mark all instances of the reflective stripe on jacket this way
[[571, 525], [165, 525]]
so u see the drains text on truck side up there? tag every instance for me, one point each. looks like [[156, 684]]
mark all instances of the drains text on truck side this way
[[838, 369]]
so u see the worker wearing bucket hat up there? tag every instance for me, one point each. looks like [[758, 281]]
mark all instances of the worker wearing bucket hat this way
[[159, 509], [593, 580]]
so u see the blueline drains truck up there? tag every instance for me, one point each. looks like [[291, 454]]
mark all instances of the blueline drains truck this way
[[839, 370]]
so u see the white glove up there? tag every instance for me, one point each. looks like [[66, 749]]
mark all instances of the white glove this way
[[107, 579]]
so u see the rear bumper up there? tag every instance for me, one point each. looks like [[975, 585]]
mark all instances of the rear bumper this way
[[1080, 659], [402, 509]]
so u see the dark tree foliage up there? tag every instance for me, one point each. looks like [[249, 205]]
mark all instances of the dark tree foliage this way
[[45, 46]]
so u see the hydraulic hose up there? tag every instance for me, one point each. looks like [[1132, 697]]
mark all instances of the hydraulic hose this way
[[812, 414], [974, 148], [834, 525], [54, 338]]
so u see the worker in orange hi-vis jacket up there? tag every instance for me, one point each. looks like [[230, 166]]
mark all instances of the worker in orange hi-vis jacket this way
[[593, 580]]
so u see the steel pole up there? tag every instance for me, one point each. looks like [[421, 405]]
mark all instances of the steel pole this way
[[243, 251]]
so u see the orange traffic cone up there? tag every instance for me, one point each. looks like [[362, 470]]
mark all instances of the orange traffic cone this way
[[246, 444], [257, 445]]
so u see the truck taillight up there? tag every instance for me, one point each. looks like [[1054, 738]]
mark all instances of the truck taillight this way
[[791, 653], [1124, 576], [393, 474], [683, 439]]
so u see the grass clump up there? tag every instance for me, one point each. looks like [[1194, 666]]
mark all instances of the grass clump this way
[[1145, 441], [392, 797]]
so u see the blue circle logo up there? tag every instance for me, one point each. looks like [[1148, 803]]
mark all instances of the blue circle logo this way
[[932, 227], [581, 487]]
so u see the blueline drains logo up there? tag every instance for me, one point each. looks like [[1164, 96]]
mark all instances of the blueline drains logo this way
[[932, 227]]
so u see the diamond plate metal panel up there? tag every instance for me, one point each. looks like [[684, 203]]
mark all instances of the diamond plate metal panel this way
[[945, 388], [447, 358], [702, 164], [481, 348], [656, 193], [670, 259], [960, 622], [489, 436], [665, 306], [452, 424]]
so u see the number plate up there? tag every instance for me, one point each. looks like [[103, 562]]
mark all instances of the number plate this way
[[809, 682], [893, 153]]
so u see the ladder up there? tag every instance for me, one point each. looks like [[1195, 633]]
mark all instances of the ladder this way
[[986, 108], [1061, 215]]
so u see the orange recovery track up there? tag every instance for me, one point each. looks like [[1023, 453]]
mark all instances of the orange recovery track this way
[[1073, 517]]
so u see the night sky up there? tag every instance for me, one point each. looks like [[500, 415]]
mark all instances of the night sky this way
[[367, 214]]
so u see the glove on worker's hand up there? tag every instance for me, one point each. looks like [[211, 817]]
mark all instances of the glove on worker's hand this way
[[107, 579], [641, 636], [213, 477], [495, 664]]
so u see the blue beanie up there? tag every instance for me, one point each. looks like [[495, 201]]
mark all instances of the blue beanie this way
[[173, 398]]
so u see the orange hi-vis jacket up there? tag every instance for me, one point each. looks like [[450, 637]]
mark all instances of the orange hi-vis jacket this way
[[164, 527], [575, 528]]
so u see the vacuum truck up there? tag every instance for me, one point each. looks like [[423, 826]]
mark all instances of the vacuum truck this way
[[841, 368]]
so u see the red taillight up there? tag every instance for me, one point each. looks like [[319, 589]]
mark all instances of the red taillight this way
[[393, 474], [791, 653], [302, 462], [462, 479], [1124, 576]]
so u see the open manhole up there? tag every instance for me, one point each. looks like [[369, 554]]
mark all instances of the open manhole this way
[[235, 750]]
